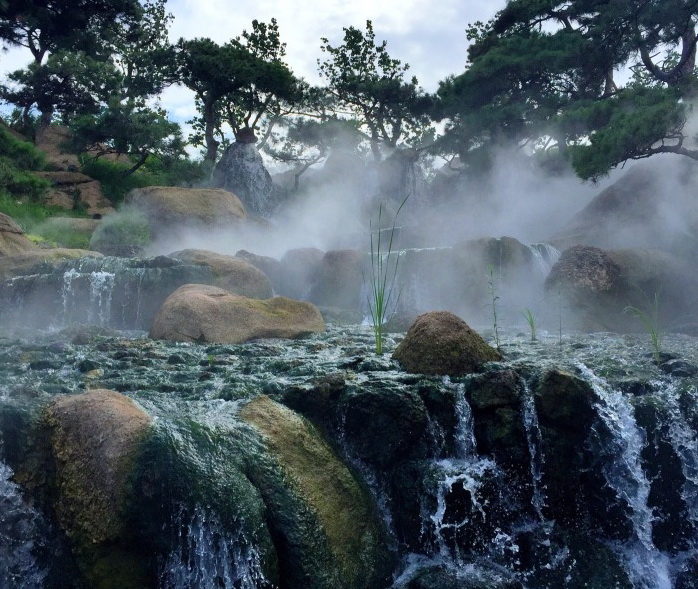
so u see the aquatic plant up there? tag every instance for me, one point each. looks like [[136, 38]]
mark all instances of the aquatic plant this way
[[531, 320], [382, 279], [495, 298], [651, 322]]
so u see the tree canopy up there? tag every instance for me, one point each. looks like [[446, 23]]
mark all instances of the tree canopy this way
[[543, 72]]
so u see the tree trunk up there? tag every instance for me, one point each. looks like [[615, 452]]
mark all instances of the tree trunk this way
[[211, 142]]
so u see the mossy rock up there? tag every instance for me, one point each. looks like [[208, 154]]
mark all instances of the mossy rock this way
[[202, 313], [328, 534], [439, 342]]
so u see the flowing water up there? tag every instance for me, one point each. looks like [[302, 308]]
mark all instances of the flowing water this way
[[478, 517]]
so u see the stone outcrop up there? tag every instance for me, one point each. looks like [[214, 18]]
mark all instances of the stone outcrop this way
[[650, 206], [202, 313], [439, 342], [339, 279], [18, 264], [12, 238], [230, 273], [169, 208], [299, 271], [323, 517], [595, 286], [241, 171], [73, 190]]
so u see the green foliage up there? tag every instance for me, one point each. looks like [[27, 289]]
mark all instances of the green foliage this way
[[17, 160], [29, 214], [531, 321], [650, 320], [125, 228], [382, 293], [544, 70], [370, 87]]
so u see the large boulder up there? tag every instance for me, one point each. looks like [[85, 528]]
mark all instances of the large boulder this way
[[170, 208], [339, 280], [299, 271], [440, 342], [652, 205], [230, 273], [12, 238], [241, 170], [94, 442], [324, 519], [594, 287], [203, 313], [21, 263]]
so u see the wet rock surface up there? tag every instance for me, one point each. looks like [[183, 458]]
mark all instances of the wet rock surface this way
[[432, 452]]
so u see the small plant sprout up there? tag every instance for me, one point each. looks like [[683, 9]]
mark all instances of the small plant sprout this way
[[651, 322], [559, 313], [495, 298], [531, 320], [382, 279]]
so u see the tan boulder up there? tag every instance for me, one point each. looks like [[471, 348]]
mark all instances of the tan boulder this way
[[230, 273], [334, 533], [165, 207], [94, 439], [203, 313], [72, 190], [440, 342], [12, 238], [17, 264]]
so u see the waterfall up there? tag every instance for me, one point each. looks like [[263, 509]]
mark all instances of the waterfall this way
[[20, 529], [206, 555], [647, 567], [545, 256], [535, 449]]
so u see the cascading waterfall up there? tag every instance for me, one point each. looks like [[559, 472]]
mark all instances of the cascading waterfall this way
[[535, 449], [647, 567], [207, 556], [545, 256]]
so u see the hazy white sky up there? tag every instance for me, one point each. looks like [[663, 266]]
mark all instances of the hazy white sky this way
[[428, 35]]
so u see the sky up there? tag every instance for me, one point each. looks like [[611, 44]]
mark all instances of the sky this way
[[429, 36]]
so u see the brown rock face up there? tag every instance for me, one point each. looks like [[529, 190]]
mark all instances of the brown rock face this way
[[339, 280], [167, 207], [584, 268], [202, 313], [94, 439], [230, 273], [12, 239], [439, 342], [73, 189]]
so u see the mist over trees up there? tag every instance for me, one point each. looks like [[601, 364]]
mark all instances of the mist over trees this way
[[586, 83]]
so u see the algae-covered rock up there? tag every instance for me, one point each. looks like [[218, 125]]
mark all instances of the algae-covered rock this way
[[230, 273], [326, 527], [439, 342], [202, 313], [94, 441]]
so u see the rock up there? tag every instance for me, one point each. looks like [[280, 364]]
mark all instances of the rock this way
[[230, 273], [170, 209], [202, 313], [241, 171], [596, 286], [651, 205], [270, 266], [339, 280], [439, 342], [324, 519], [299, 272], [95, 439], [16, 265], [12, 239], [53, 140], [76, 191]]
